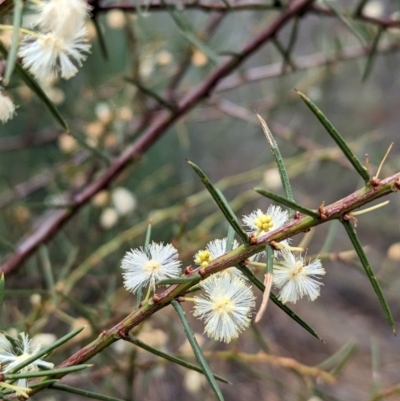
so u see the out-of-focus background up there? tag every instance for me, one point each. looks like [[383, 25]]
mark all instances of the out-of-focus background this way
[[74, 278]]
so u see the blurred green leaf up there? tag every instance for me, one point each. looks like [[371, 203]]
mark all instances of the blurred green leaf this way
[[12, 53], [278, 159], [85, 393], [47, 271], [148, 238], [41, 373], [151, 93], [186, 31], [100, 36], [2, 288], [259, 337], [230, 239], [359, 7], [330, 237], [372, 53], [270, 259], [336, 362], [351, 232], [331, 5], [221, 202], [375, 362], [352, 158], [170, 358]]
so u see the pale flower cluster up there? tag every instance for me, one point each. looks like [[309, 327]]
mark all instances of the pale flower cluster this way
[[59, 43], [144, 267], [11, 356], [228, 300], [214, 250], [226, 307], [259, 223], [7, 108], [56, 47], [295, 278]]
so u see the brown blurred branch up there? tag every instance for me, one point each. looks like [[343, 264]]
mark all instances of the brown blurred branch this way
[[162, 121], [213, 24], [24, 141], [302, 63], [244, 5]]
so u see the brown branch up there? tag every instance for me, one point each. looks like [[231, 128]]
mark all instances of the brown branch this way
[[244, 5], [19, 142], [163, 120], [383, 22], [302, 63]]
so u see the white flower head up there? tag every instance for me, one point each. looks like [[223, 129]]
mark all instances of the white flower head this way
[[47, 54], [294, 277], [108, 218], [142, 269], [124, 201], [7, 108], [226, 309], [259, 223], [64, 18], [10, 357]]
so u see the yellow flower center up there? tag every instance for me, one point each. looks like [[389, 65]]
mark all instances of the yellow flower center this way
[[203, 258], [223, 304], [297, 270], [152, 266], [263, 223], [23, 357]]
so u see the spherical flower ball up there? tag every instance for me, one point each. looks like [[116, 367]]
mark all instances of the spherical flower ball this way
[[7, 108], [123, 200]]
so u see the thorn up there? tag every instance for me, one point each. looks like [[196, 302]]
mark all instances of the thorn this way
[[367, 162], [264, 303], [383, 160], [370, 209]]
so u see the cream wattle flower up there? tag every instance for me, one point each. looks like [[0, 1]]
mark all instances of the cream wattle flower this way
[[45, 55], [63, 18], [10, 358], [295, 279], [259, 223], [226, 308], [146, 268]]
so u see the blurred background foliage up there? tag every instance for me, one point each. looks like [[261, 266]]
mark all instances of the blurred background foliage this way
[[75, 279]]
